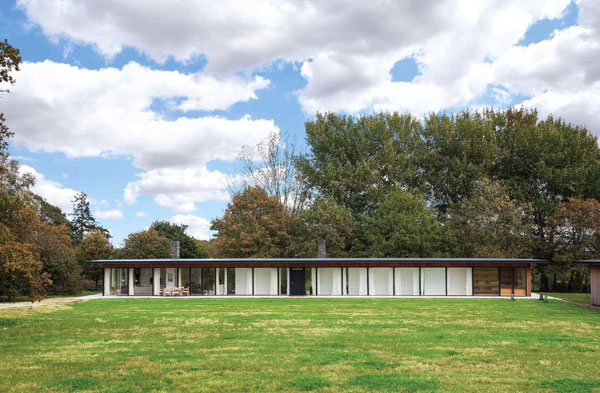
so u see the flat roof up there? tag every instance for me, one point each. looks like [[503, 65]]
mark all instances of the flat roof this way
[[259, 261], [588, 262]]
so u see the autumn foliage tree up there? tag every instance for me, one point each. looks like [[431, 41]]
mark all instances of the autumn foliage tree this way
[[255, 225]]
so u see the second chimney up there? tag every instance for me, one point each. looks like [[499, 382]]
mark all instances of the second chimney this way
[[175, 249], [321, 248]]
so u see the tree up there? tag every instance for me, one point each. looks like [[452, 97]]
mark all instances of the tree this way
[[327, 220], [402, 226], [254, 225], [458, 151], [573, 233], [489, 224], [20, 268], [271, 165], [95, 245], [359, 161], [83, 221], [145, 245], [187, 246], [10, 59]]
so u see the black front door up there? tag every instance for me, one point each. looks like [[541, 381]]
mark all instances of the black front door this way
[[297, 279]]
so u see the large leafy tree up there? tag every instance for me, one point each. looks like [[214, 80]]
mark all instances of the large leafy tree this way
[[458, 151], [402, 226], [144, 245], [95, 245], [326, 220], [358, 161], [489, 224], [188, 248], [255, 225], [573, 233]]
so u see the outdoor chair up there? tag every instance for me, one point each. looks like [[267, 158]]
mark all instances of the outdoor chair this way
[[185, 291]]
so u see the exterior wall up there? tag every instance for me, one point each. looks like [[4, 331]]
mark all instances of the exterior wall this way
[[430, 280], [595, 285]]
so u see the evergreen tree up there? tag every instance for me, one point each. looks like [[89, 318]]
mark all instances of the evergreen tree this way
[[83, 221]]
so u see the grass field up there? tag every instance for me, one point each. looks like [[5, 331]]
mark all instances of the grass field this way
[[584, 298], [350, 345]]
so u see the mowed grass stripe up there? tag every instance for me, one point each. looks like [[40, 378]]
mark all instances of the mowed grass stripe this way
[[355, 345]]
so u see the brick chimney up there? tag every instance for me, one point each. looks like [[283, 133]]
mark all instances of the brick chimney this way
[[321, 248], [174, 249]]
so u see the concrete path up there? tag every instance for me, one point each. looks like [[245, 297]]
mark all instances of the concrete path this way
[[49, 301]]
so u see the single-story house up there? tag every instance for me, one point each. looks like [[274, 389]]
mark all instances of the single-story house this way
[[594, 265], [320, 276]]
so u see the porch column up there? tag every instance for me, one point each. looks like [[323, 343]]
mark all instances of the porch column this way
[[130, 281], [156, 284], [106, 282], [218, 279], [288, 281]]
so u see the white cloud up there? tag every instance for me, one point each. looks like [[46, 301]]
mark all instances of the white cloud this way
[[179, 189], [109, 214], [198, 227], [346, 50], [107, 112], [53, 192], [141, 214]]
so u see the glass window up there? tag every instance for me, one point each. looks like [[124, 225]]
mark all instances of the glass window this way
[[283, 284], [142, 280], [381, 281], [119, 281], [208, 280], [506, 281], [486, 281], [356, 281], [168, 277], [520, 280], [231, 281]]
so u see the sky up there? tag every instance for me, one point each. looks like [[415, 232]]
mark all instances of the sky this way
[[146, 104]]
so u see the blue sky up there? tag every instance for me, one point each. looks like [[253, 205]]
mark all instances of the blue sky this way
[[145, 107]]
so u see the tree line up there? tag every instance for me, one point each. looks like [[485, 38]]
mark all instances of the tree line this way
[[482, 183], [41, 248], [488, 183]]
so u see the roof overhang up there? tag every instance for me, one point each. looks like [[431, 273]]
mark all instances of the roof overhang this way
[[316, 261], [588, 262]]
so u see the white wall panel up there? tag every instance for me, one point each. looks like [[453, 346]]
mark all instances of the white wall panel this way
[[407, 281], [433, 281], [381, 281], [460, 281], [265, 281]]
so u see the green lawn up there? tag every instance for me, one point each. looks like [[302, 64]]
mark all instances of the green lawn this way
[[350, 345], [572, 297]]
